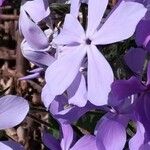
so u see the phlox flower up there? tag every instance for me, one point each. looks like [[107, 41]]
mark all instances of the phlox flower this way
[[35, 45], [78, 43]]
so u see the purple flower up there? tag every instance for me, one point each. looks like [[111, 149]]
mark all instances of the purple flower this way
[[142, 38], [66, 142], [122, 89], [62, 72], [111, 129]]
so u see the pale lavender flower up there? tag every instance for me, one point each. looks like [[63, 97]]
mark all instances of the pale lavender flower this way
[[32, 33], [35, 45], [13, 109], [119, 26]]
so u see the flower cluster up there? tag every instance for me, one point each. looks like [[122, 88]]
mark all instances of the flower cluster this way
[[78, 76]]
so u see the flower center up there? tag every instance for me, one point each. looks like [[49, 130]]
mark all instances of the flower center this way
[[88, 41]]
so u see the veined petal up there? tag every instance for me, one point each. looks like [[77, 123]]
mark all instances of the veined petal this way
[[87, 142], [111, 134], [68, 35], [63, 71], [77, 91], [96, 9], [32, 32], [100, 77], [35, 56], [67, 136], [13, 110], [37, 9], [121, 24], [138, 139]]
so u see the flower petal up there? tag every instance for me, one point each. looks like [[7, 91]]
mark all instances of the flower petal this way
[[87, 142], [67, 136], [142, 32], [32, 33], [31, 7], [138, 139], [100, 77], [123, 88], [63, 71], [74, 9], [121, 23], [37, 57], [13, 110], [46, 96], [67, 34], [96, 11], [131, 58], [12, 145], [68, 114], [50, 142], [145, 147], [58, 104], [112, 134], [77, 91], [4, 147]]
